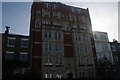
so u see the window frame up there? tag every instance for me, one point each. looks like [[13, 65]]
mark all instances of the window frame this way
[[9, 52], [37, 23], [48, 60], [24, 40], [113, 48], [58, 35], [13, 44], [23, 53]]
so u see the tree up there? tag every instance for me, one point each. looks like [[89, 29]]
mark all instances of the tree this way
[[105, 69]]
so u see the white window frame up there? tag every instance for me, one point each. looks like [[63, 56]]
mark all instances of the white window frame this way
[[59, 60], [77, 37], [54, 6], [9, 41], [9, 52], [45, 13], [48, 46], [84, 37], [37, 22], [48, 34], [47, 5], [24, 40], [58, 47], [25, 53], [58, 35], [48, 60]]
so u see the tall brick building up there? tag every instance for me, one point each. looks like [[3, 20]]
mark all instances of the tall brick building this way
[[62, 44]]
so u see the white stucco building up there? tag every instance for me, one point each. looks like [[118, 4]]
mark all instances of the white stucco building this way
[[102, 45]]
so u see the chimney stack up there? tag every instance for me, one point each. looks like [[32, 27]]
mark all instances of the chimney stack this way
[[7, 30]]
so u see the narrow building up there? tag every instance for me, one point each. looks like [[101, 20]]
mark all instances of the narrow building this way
[[115, 48], [15, 54], [102, 45]]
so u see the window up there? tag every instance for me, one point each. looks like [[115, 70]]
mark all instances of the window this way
[[116, 59], [23, 56], [38, 12], [48, 34], [103, 37], [82, 74], [56, 15], [81, 60], [73, 10], [58, 47], [83, 19], [48, 75], [45, 13], [47, 5], [77, 37], [48, 60], [89, 61], [113, 48], [66, 27], [78, 49], [119, 48], [91, 74], [62, 16], [59, 60], [57, 35], [54, 6], [24, 43], [48, 47], [85, 49], [9, 55], [11, 42], [79, 10], [72, 17], [105, 56], [84, 38], [37, 23], [95, 36], [89, 49]]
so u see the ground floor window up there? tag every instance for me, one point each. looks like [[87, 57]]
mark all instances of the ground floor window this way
[[48, 75], [59, 76], [70, 75]]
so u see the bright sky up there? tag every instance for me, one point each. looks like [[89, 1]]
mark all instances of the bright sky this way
[[104, 15]]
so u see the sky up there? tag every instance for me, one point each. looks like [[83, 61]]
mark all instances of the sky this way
[[104, 15]]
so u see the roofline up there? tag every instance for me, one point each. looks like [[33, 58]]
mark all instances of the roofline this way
[[16, 35], [61, 4], [99, 32]]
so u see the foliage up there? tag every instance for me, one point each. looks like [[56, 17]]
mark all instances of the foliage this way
[[106, 69]]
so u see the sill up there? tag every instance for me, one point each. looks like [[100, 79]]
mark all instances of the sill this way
[[81, 65], [24, 46], [59, 65], [90, 65], [9, 46], [48, 65], [23, 61]]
